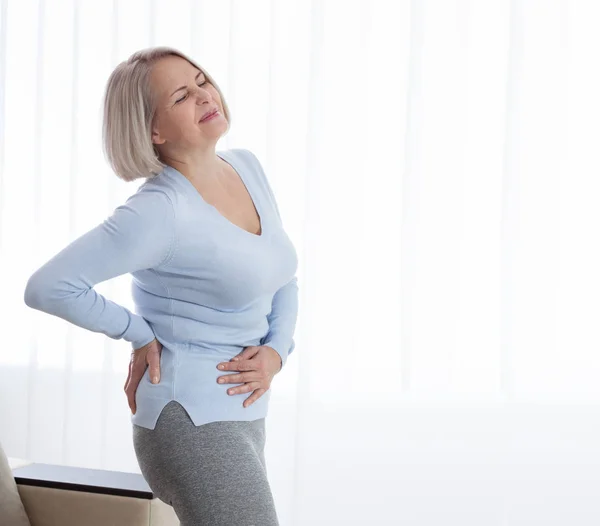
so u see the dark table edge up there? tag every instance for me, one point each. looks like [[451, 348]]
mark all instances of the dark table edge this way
[[73, 478]]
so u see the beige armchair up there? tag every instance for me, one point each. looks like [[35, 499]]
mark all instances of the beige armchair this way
[[33, 494]]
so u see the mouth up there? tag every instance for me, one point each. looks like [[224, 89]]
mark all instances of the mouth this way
[[209, 115]]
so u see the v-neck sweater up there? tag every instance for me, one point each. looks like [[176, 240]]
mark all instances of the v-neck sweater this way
[[204, 287]]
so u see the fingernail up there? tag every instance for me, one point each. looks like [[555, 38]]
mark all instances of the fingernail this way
[[155, 379], [221, 367]]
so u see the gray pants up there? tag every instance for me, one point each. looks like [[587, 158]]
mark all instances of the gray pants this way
[[213, 475]]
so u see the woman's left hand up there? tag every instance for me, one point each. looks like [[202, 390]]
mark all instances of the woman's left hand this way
[[257, 365]]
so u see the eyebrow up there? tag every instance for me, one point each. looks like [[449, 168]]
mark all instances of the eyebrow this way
[[183, 87]]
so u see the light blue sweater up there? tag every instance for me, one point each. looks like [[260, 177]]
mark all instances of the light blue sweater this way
[[204, 287]]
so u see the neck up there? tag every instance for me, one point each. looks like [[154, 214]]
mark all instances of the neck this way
[[197, 166]]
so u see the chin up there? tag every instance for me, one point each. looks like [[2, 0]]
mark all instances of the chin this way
[[217, 130]]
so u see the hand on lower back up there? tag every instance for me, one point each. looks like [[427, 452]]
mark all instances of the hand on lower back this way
[[146, 356]]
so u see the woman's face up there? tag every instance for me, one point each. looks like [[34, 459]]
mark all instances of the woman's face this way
[[183, 97]]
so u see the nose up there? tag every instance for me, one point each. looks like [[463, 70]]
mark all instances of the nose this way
[[201, 95]]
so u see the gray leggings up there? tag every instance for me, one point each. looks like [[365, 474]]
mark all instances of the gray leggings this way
[[213, 475]]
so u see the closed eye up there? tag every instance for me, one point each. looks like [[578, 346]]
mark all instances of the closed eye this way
[[185, 96]]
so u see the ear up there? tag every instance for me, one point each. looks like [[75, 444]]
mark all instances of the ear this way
[[156, 137]]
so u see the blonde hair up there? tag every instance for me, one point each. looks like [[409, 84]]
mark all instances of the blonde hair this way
[[129, 109]]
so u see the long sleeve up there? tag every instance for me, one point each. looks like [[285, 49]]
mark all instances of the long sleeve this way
[[282, 320], [284, 310], [138, 235]]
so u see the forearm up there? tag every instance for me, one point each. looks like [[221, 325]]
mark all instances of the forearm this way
[[282, 320], [87, 309]]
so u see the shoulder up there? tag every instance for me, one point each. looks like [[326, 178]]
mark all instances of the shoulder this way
[[145, 219], [148, 208], [149, 196], [244, 156], [156, 191]]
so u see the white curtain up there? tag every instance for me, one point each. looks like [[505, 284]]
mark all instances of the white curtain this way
[[436, 165]]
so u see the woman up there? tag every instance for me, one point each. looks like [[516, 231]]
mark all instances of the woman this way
[[213, 281]]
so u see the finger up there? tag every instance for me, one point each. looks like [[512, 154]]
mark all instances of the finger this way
[[130, 373], [229, 379], [248, 353], [154, 364], [239, 378], [131, 400], [131, 397], [255, 396], [246, 388], [128, 376], [136, 376], [242, 355], [241, 365], [131, 403]]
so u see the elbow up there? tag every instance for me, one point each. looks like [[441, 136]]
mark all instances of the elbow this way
[[36, 292], [50, 292], [32, 295]]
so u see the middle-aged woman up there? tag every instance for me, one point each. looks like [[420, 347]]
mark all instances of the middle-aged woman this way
[[213, 283]]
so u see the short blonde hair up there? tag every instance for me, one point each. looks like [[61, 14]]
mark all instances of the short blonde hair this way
[[129, 110]]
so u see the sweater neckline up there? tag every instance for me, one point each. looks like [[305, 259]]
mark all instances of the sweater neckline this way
[[215, 211]]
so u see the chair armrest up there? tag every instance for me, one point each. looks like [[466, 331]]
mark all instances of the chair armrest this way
[[101, 481], [14, 463], [64, 495]]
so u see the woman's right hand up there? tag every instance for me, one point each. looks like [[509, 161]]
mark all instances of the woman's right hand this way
[[148, 355]]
